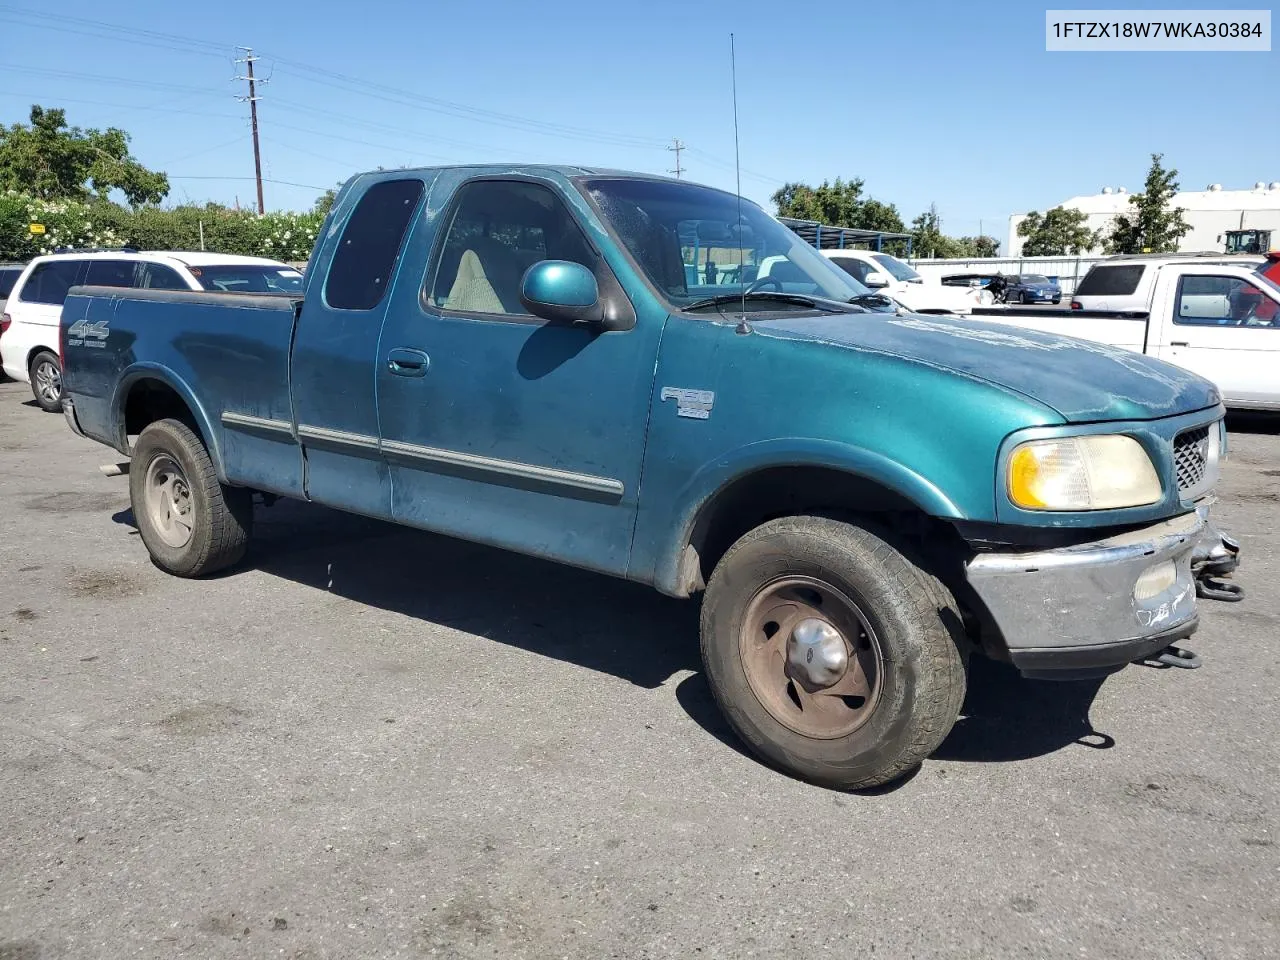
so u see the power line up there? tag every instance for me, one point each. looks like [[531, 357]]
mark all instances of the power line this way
[[249, 60], [676, 146], [286, 183]]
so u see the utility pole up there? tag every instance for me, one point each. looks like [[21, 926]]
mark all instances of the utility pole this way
[[676, 147], [249, 60]]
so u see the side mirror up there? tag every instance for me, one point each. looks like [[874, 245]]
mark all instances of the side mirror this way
[[561, 290], [875, 280]]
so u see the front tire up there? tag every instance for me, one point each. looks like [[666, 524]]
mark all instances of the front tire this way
[[832, 655], [46, 381], [191, 524]]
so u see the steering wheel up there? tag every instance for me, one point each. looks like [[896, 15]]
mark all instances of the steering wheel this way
[[759, 282]]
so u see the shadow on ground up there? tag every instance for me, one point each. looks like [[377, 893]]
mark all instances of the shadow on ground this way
[[605, 624]]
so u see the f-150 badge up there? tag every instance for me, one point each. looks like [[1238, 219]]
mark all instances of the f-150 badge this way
[[690, 403]]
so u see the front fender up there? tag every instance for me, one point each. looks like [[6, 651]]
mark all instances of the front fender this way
[[149, 370], [664, 525]]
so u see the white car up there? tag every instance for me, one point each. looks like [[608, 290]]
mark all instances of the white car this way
[[886, 274], [29, 346], [1124, 283]]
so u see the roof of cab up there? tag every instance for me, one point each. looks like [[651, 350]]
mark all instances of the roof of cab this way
[[526, 169]]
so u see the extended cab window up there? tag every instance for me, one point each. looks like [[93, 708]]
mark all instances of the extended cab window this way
[[500, 229], [109, 273], [1224, 302], [50, 281], [1110, 281], [370, 245]]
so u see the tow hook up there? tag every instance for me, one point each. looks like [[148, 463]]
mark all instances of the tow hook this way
[[1212, 561], [1172, 656]]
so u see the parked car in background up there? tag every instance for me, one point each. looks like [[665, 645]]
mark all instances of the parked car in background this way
[[29, 349], [1124, 282], [887, 274], [1031, 288], [1221, 321], [9, 273]]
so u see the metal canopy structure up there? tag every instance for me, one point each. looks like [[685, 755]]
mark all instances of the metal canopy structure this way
[[827, 237]]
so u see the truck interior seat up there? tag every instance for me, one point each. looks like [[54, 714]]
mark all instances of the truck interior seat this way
[[471, 290]]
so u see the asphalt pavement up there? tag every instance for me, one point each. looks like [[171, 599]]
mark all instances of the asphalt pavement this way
[[371, 742]]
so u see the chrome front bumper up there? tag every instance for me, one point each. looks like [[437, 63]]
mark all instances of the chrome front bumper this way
[[1073, 612]]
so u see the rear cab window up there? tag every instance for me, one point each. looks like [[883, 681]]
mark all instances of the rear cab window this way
[[1111, 281], [370, 245]]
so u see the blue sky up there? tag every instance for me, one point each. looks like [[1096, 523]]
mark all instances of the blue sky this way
[[952, 103]]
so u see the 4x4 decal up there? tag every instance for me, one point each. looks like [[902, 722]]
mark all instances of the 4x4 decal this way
[[82, 333]]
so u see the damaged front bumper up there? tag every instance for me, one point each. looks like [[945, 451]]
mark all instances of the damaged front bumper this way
[[1090, 609]]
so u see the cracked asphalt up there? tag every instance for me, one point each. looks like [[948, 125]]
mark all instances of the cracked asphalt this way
[[372, 742]]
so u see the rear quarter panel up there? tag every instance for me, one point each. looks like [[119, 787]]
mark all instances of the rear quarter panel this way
[[222, 353]]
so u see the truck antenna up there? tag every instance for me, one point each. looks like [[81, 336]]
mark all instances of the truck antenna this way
[[743, 326]]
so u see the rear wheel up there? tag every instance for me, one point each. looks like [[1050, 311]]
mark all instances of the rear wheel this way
[[191, 524], [833, 655], [46, 381]]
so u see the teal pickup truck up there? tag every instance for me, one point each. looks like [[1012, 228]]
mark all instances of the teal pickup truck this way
[[589, 366]]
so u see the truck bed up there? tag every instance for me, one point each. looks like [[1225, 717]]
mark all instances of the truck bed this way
[[235, 346]]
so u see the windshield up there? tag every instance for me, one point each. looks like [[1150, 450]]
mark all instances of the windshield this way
[[898, 269], [689, 243], [1034, 278], [249, 278]]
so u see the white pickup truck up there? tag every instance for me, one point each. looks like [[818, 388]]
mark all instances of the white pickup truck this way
[[1220, 321]]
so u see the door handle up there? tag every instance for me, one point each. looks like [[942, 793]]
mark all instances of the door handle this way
[[1179, 343], [404, 362]]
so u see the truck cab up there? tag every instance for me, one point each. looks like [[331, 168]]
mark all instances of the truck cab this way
[[521, 356]]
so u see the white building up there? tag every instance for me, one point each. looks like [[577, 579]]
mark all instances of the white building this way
[[1211, 212]]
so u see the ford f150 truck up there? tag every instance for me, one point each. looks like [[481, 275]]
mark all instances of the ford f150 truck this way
[[518, 356]]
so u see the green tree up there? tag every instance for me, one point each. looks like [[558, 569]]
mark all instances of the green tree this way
[[839, 204], [1154, 225], [52, 161], [1061, 231], [928, 242], [983, 246]]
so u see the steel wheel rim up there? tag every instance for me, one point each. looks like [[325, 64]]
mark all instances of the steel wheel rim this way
[[168, 501], [766, 640], [48, 381]]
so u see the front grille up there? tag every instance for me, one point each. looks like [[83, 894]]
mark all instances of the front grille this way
[[1191, 459]]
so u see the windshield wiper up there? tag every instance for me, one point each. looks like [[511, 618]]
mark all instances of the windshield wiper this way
[[725, 298], [877, 298]]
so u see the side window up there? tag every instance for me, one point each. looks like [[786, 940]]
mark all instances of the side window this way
[[1110, 281], [110, 273], [500, 229], [8, 277], [370, 245], [156, 276], [858, 269], [50, 281], [1212, 301]]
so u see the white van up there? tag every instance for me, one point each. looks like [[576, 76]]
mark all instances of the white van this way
[[29, 329]]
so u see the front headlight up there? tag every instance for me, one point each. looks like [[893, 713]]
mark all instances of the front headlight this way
[[1082, 473]]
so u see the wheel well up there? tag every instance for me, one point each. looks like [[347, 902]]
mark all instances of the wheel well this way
[[790, 491], [39, 348], [150, 400]]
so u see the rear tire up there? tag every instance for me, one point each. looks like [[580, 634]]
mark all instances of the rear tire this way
[[191, 524], [900, 629], [46, 381]]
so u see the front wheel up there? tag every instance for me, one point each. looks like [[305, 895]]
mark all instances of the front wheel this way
[[46, 381], [831, 654], [191, 524]]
